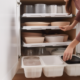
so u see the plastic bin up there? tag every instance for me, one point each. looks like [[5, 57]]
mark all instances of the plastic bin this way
[[32, 71], [53, 66], [72, 67]]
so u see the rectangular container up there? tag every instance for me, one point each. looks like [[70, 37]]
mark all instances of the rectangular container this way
[[53, 66], [32, 71], [34, 39], [72, 69]]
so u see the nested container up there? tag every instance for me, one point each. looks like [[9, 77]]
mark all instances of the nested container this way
[[40, 8], [72, 67], [51, 8], [53, 66], [32, 67]]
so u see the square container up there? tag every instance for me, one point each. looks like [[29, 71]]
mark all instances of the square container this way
[[53, 66], [32, 71], [72, 67]]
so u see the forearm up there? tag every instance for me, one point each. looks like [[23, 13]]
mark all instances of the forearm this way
[[74, 23], [73, 43]]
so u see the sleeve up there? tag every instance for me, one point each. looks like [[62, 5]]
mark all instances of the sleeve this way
[[78, 37], [78, 16]]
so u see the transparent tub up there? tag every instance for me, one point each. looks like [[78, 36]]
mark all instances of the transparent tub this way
[[53, 66], [32, 67]]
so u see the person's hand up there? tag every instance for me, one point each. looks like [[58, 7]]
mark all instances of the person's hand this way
[[68, 53], [66, 28]]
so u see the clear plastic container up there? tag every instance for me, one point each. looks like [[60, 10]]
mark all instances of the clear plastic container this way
[[72, 67], [53, 66], [32, 67]]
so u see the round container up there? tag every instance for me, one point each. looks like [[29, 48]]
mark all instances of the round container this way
[[51, 8], [40, 8], [36, 24], [59, 9], [61, 23], [28, 9]]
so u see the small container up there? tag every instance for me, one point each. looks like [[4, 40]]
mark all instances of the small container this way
[[53, 67], [32, 67], [72, 67], [40, 8], [59, 9], [51, 8], [64, 9], [28, 8], [34, 39], [54, 38]]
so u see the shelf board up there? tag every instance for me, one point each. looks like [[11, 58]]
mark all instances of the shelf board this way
[[41, 27], [47, 44], [46, 15]]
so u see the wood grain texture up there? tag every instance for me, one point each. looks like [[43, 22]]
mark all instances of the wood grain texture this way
[[64, 77]]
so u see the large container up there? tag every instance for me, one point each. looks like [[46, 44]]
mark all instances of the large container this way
[[32, 67], [34, 39], [40, 8], [61, 23], [31, 34], [65, 37], [36, 24], [72, 67], [53, 66], [28, 8], [51, 8], [54, 38]]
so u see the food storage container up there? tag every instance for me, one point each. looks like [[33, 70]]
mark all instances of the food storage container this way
[[34, 39], [61, 23], [59, 9], [32, 67], [40, 8], [31, 34], [72, 67], [36, 24], [53, 66], [65, 37], [28, 8], [64, 9], [54, 38], [51, 8]]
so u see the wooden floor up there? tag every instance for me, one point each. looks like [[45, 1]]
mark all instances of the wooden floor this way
[[64, 77]]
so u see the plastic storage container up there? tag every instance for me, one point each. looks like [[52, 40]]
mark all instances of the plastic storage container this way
[[32, 71], [53, 66], [28, 8], [40, 8], [54, 38], [51, 8], [72, 67]]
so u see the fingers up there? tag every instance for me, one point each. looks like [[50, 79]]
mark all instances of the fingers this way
[[62, 28], [67, 56]]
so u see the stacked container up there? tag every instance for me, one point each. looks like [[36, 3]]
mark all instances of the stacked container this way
[[52, 66]]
